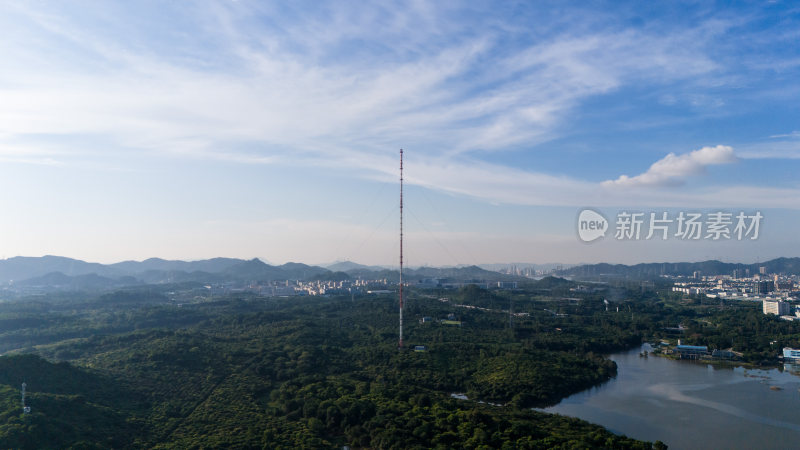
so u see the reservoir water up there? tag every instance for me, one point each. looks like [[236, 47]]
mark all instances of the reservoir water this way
[[690, 405]]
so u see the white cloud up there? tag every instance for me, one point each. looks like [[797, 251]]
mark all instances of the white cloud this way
[[673, 169], [785, 149], [500, 184], [282, 87], [792, 135], [311, 92]]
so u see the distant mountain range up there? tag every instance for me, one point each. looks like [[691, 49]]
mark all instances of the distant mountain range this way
[[24, 267], [788, 266], [345, 266], [60, 273], [57, 272]]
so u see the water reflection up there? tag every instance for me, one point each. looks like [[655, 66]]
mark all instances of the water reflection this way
[[694, 405], [792, 368]]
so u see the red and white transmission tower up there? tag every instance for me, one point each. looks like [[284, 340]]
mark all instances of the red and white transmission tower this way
[[400, 343]]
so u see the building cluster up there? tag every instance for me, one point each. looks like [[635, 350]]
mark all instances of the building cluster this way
[[761, 286], [777, 293], [287, 288], [321, 287], [529, 272]]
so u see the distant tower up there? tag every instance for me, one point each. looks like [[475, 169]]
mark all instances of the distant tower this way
[[400, 343], [511, 312], [25, 409]]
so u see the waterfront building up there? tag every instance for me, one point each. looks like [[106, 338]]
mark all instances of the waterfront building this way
[[691, 351], [791, 354]]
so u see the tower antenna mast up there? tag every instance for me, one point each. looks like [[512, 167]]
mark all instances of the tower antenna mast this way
[[400, 343], [25, 409]]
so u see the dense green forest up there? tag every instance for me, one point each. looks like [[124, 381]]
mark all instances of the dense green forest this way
[[130, 369]]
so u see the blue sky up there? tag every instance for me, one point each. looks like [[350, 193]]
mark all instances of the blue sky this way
[[271, 129]]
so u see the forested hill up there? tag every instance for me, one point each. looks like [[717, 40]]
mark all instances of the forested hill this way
[[245, 372], [712, 267]]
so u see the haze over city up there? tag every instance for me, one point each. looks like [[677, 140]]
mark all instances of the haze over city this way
[[189, 131]]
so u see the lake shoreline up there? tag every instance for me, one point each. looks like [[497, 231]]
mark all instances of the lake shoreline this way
[[719, 362], [722, 402]]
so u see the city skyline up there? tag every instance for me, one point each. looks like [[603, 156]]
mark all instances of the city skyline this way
[[246, 130]]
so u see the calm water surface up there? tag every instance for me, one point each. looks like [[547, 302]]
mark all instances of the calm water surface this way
[[690, 405]]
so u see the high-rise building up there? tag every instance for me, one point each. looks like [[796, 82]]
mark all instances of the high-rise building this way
[[763, 287], [776, 307]]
